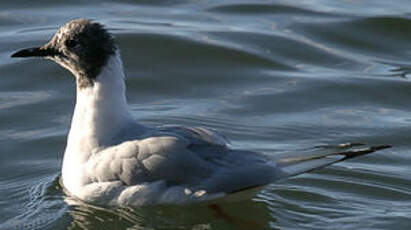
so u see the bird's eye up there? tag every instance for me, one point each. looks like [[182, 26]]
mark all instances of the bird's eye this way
[[71, 43]]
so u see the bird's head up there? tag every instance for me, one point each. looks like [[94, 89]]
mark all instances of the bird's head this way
[[81, 46]]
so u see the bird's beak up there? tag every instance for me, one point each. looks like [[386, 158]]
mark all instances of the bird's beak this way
[[35, 52]]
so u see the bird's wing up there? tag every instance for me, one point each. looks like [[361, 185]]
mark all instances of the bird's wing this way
[[184, 156], [198, 159], [162, 157], [232, 170], [297, 163]]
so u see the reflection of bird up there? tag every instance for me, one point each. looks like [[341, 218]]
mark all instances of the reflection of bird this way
[[111, 159]]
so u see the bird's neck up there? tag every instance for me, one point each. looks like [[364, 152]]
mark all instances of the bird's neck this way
[[101, 109]]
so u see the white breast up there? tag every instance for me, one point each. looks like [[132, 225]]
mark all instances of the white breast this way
[[100, 113]]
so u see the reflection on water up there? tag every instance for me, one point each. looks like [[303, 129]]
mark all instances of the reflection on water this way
[[273, 76], [199, 216]]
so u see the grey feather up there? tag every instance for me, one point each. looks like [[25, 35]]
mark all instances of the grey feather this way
[[199, 159]]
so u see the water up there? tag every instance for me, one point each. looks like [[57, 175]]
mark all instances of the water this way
[[273, 76]]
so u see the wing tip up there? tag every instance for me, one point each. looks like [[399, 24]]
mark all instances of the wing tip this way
[[362, 151]]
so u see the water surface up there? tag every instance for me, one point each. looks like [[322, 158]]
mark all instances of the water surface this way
[[273, 76]]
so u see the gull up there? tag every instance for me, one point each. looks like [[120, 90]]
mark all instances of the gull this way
[[111, 159]]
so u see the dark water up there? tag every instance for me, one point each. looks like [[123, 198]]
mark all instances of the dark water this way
[[273, 76]]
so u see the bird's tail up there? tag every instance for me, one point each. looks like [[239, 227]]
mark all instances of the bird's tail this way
[[291, 165]]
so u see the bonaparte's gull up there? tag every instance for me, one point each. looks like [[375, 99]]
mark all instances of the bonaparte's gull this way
[[110, 159]]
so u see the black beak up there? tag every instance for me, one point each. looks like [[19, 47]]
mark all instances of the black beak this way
[[35, 52]]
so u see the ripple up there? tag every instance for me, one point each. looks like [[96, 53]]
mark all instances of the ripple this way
[[261, 8], [360, 41], [319, 197], [42, 205], [184, 51], [13, 99]]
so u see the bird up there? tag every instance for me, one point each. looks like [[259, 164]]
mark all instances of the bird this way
[[111, 159]]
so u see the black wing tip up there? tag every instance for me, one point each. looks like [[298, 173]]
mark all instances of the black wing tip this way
[[380, 147], [363, 151]]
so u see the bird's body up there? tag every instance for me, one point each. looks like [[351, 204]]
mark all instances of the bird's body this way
[[108, 151], [111, 159]]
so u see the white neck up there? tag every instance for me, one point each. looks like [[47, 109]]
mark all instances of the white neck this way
[[100, 111]]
